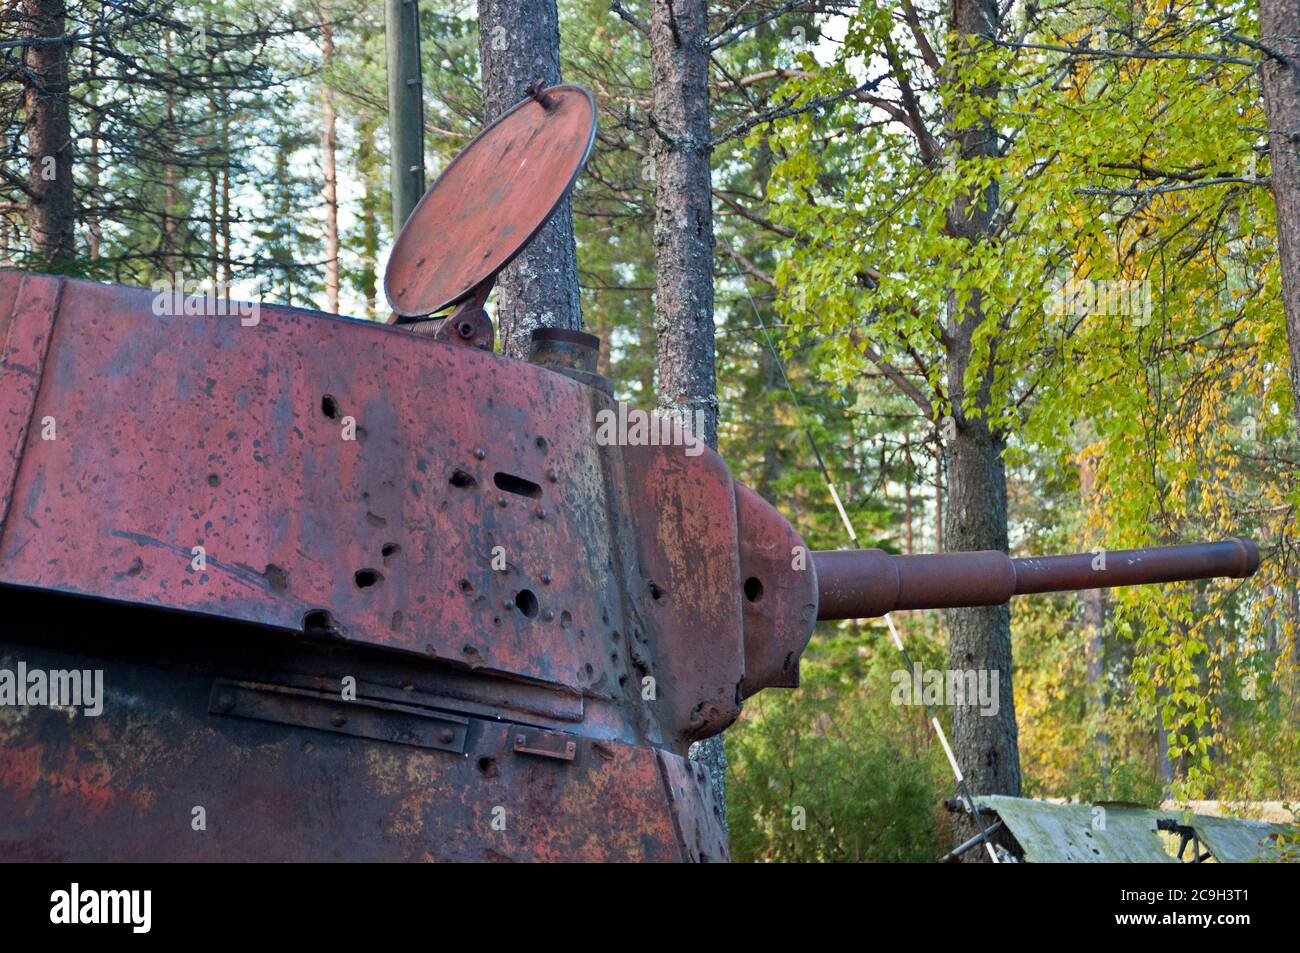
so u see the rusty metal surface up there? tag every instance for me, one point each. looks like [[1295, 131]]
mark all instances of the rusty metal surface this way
[[779, 590], [863, 583], [490, 201], [1233, 559], [124, 786], [30, 303], [494, 535], [574, 354]]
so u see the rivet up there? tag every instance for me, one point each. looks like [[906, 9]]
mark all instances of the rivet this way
[[446, 737], [339, 720], [546, 579], [509, 603], [501, 501], [548, 615], [479, 453], [551, 474], [225, 702], [541, 513]]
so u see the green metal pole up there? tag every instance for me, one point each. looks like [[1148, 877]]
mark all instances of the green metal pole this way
[[405, 107]]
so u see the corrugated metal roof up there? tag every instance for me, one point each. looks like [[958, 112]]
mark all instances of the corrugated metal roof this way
[[1110, 833], [1073, 834], [1234, 841]]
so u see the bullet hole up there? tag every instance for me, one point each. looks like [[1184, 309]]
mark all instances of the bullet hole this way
[[488, 767], [462, 480], [390, 550], [365, 578], [656, 593], [541, 444], [753, 589], [466, 586], [214, 480], [566, 620], [527, 602], [276, 577], [517, 485], [396, 622], [374, 519], [329, 407]]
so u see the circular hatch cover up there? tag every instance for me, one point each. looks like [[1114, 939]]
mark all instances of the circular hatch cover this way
[[490, 201]]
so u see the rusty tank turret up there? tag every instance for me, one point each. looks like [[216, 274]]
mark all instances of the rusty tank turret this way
[[357, 593]]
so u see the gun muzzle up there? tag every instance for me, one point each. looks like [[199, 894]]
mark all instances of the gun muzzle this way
[[865, 583]]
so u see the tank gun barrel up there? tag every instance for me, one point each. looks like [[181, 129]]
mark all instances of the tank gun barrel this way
[[865, 583]]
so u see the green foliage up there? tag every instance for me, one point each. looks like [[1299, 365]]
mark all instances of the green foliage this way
[[834, 771]]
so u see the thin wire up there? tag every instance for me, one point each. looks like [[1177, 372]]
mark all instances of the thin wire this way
[[963, 789]]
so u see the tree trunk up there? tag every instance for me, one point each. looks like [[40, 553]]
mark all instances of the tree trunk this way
[[683, 237], [1094, 639], [227, 266], [979, 639], [519, 42], [171, 262], [986, 745], [50, 208], [907, 491], [938, 502], [329, 144], [94, 230], [1279, 28]]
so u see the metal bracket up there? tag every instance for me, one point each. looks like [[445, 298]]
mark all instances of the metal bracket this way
[[545, 744], [380, 721], [467, 326]]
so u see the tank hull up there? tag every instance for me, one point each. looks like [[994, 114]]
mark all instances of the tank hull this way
[[172, 770]]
